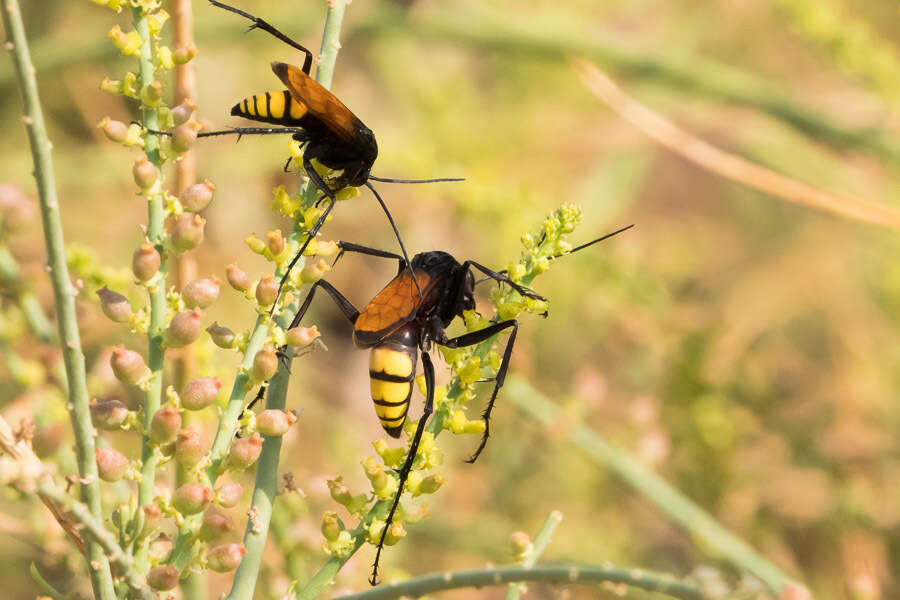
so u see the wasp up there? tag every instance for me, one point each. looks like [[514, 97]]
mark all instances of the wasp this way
[[399, 325]]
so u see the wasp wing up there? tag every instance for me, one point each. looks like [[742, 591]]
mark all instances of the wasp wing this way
[[319, 102], [391, 308]]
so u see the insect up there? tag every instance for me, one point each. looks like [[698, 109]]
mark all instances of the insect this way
[[329, 132], [398, 326]]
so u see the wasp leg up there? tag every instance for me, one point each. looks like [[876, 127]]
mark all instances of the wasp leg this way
[[502, 278], [249, 407], [397, 235], [477, 337], [428, 370], [342, 303], [351, 247]]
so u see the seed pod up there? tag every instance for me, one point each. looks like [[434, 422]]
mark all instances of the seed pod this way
[[221, 336], [265, 363], [266, 290], [200, 392], [215, 524], [111, 464], [229, 494], [189, 450], [237, 278], [198, 196], [182, 112], [47, 440], [184, 136], [163, 578], [145, 262], [115, 131], [187, 231], [244, 451], [275, 242], [144, 172], [108, 414], [201, 293], [165, 425], [301, 337], [274, 422], [192, 498], [128, 366], [226, 557], [114, 305], [184, 328]]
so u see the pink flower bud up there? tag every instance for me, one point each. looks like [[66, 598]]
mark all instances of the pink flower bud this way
[[145, 262], [275, 242], [245, 451], [47, 440], [189, 450], [165, 425], [229, 494], [163, 578], [226, 557], [215, 524], [237, 278], [184, 54], [128, 366], [116, 131], [192, 498], [108, 414], [314, 271], [266, 290], [111, 464], [221, 336], [274, 423], [187, 231], [152, 516], [144, 172], [198, 196], [300, 337], [184, 136], [201, 293], [15, 206], [183, 112], [115, 305], [160, 547], [265, 363], [200, 392], [184, 328]]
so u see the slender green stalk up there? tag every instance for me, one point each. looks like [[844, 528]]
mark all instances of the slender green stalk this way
[[541, 541], [550, 574], [706, 530], [44, 584], [63, 291]]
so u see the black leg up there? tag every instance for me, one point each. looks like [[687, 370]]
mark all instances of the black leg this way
[[260, 24], [351, 247], [477, 337], [242, 131], [397, 235], [428, 370], [342, 303], [502, 278]]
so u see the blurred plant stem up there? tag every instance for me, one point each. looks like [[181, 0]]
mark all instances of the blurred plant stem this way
[[710, 535], [566, 574], [541, 541], [63, 292], [44, 585]]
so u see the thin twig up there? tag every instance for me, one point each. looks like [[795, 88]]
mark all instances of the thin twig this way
[[727, 165], [541, 541], [63, 291], [44, 584]]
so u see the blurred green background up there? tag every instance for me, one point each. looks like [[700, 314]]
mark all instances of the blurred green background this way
[[743, 347]]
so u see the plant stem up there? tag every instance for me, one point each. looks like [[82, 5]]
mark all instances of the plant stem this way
[[63, 291], [541, 541], [44, 584], [702, 527], [550, 574]]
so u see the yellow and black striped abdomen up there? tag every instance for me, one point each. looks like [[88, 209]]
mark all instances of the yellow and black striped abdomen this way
[[279, 108], [392, 368]]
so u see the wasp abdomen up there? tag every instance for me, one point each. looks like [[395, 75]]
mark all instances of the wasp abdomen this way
[[279, 108], [392, 368]]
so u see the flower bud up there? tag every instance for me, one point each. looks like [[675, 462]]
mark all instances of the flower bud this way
[[331, 527], [221, 336], [198, 196], [265, 363], [274, 422], [339, 492], [245, 451], [431, 484], [275, 242], [47, 440], [163, 578], [108, 414], [187, 231], [111, 464], [165, 425], [314, 271], [184, 136], [189, 450], [160, 547], [201, 293], [184, 328], [184, 54], [145, 262], [226, 557], [128, 366], [395, 532], [300, 337], [200, 392], [266, 290], [152, 516], [144, 172], [116, 131], [151, 94], [520, 546], [237, 278], [15, 207], [115, 305], [192, 498], [229, 494], [183, 112], [215, 524]]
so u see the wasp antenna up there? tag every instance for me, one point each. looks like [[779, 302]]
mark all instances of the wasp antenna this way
[[592, 242], [397, 235], [439, 180]]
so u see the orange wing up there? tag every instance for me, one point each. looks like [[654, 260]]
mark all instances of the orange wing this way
[[320, 102], [391, 308]]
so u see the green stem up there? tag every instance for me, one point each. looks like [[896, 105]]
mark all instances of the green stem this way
[[63, 291], [702, 527], [541, 541], [549, 574], [44, 585]]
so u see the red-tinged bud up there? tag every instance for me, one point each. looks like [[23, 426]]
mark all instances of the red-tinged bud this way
[[184, 54], [160, 547], [221, 336], [165, 425], [115, 131], [229, 494], [275, 423], [128, 366], [152, 516], [47, 440], [266, 290], [111, 464], [163, 578], [114, 305], [145, 262], [300, 337], [237, 278], [187, 231], [201, 293], [189, 450], [245, 451], [15, 206], [331, 527], [144, 172], [108, 414], [184, 136], [215, 524], [192, 498], [198, 196], [182, 112], [275, 242], [184, 328], [226, 557], [200, 392], [314, 271], [265, 363]]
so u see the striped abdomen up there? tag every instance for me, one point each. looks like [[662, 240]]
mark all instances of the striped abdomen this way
[[279, 108], [392, 367]]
